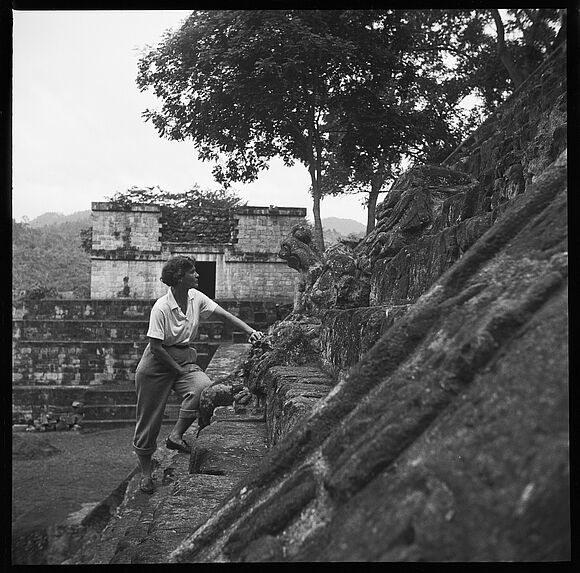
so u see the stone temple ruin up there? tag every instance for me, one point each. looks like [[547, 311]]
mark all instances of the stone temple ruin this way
[[236, 253], [87, 350], [413, 406]]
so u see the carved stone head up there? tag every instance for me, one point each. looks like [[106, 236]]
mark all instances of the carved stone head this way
[[298, 250]]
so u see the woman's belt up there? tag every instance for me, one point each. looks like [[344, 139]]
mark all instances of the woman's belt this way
[[181, 346]]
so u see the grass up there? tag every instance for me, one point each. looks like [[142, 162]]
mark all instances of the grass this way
[[55, 474]]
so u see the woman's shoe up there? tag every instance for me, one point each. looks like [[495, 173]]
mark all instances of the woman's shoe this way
[[146, 485], [183, 447]]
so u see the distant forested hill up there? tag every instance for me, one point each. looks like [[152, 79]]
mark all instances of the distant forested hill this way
[[51, 218], [336, 229], [50, 256], [344, 226]]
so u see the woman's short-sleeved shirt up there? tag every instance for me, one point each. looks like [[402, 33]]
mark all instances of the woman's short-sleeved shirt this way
[[168, 323]]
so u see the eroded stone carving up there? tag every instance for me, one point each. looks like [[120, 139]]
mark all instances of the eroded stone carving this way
[[343, 283], [302, 255], [222, 393], [336, 279], [294, 341], [413, 207], [298, 249]]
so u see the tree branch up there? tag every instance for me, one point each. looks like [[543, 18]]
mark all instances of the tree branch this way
[[502, 51]]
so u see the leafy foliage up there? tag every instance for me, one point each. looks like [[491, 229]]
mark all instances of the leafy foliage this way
[[455, 54], [407, 108], [253, 85], [193, 199], [192, 216], [528, 36], [49, 259], [348, 93]]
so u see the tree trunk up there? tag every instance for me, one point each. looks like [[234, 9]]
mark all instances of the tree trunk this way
[[318, 234], [377, 182], [314, 167], [504, 55], [372, 206]]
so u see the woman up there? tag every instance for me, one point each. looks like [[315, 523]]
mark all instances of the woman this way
[[168, 362]]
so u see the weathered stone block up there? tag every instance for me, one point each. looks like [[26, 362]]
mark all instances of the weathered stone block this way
[[292, 392], [228, 447], [346, 335]]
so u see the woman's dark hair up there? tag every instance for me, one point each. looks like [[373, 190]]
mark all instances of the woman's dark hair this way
[[175, 268]]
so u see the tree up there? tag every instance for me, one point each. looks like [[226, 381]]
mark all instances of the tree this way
[[533, 33], [253, 85], [356, 89], [405, 110], [502, 51], [498, 50], [49, 259], [372, 137]]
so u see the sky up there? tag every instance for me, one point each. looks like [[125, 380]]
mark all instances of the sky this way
[[77, 131]]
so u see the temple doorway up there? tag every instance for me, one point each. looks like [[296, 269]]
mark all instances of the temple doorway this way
[[206, 271]]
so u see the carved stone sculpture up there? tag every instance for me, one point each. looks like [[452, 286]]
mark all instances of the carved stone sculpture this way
[[342, 283], [333, 280], [412, 207], [301, 254], [220, 394]]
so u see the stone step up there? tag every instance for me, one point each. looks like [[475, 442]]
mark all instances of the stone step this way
[[124, 411], [99, 402], [109, 412], [146, 528], [84, 362], [109, 401], [79, 309], [107, 424], [262, 311], [116, 330], [292, 392], [227, 358]]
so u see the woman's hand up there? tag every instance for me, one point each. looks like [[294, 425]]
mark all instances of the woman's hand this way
[[255, 336]]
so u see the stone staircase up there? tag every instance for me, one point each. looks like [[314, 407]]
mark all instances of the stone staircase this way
[[130, 527], [91, 342], [94, 351], [108, 406], [87, 350], [190, 489], [146, 528], [116, 406]]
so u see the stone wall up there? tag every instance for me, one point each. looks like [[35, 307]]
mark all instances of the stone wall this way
[[260, 229], [245, 279], [131, 245], [107, 277], [138, 228], [444, 435], [259, 276], [520, 139], [98, 342]]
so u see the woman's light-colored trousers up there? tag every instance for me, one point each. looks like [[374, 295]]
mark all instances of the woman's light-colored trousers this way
[[153, 384]]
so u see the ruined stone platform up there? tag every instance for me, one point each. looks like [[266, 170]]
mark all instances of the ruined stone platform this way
[[145, 528]]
